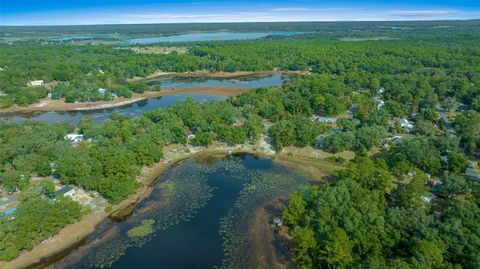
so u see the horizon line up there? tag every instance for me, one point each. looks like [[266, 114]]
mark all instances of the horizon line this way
[[233, 22]]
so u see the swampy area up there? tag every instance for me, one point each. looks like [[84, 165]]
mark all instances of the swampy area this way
[[199, 214]]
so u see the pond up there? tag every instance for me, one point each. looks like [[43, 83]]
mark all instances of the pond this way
[[100, 115], [208, 36], [248, 82], [138, 108], [197, 216]]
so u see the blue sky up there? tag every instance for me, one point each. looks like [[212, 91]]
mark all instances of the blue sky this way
[[75, 12]]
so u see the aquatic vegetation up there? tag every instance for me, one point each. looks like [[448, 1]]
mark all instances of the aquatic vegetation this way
[[144, 229], [186, 188], [167, 187], [262, 186]]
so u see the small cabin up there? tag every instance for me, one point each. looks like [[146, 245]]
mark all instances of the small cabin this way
[[324, 119], [405, 124], [66, 191], [34, 83], [75, 138], [190, 135]]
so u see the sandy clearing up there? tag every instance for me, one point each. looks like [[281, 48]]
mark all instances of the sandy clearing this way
[[46, 105]]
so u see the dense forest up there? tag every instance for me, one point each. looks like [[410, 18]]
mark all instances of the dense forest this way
[[372, 214], [76, 72]]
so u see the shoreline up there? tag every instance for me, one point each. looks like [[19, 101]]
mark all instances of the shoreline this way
[[219, 74], [48, 105], [71, 236]]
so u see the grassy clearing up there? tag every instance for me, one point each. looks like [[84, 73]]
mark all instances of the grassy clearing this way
[[317, 169]]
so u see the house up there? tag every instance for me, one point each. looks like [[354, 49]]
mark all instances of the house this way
[[189, 135], [428, 198], [471, 173], [405, 124], [75, 138], [380, 103], [324, 119], [36, 83], [381, 90], [397, 139], [64, 191], [102, 90]]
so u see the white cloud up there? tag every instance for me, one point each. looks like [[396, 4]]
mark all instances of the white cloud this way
[[304, 9], [424, 12]]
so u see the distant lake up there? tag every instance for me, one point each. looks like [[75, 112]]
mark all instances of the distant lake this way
[[140, 107], [212, 36], [100, 115], [240, 82]]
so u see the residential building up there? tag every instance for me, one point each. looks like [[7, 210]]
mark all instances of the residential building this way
[[324, 119], [75, 138], [405, 124], [36, 83], [189, 135]]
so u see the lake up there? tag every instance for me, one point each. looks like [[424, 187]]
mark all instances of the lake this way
[[210, 36], [189, 37], [100, 115], [138, 108], [198, 216], [238, 82]]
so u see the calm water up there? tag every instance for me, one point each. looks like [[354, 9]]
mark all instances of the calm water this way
[[240, 82], [100, 115], [192, 37], [213, 189], [141, 107], [212, 36]]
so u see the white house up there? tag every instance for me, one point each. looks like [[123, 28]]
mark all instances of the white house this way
[[36, 83], [379, 102], [405, 124], [324, 119], [381, 90], [75, 138], [428, 198], [189, 135], [102, 90]]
